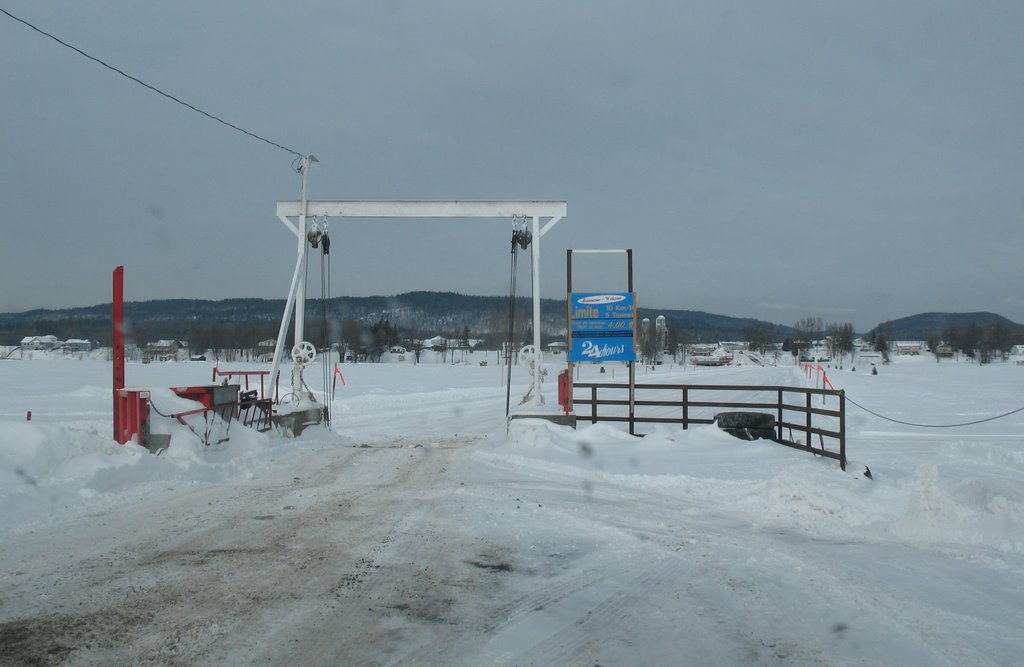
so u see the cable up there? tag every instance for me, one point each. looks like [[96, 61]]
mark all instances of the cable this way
[[205, 438], [525, 239], [325, 297], [511, 321], [971, 423], [153, 88]]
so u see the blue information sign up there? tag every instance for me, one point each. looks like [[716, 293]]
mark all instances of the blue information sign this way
[[602, 326]]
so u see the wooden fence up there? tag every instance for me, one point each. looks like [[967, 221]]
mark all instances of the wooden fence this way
[[798, 421]]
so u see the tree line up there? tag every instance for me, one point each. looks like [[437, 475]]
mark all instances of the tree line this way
[[838, 337], [982, 342]]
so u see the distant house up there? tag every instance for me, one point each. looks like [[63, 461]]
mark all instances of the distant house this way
[[437, 343], [944, 351], [701, 350], [912, 348], [40, 342], [861, 344], [265, 349], [165, 350], [557, 347], [79, 345]]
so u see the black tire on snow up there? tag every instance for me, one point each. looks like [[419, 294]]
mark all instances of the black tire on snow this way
[[747, 425]]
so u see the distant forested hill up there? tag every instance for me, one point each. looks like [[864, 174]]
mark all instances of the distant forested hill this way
[[924, 325], [243, 322]]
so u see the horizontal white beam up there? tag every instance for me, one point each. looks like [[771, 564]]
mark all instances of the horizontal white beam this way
[[423, 209], [582, 251]]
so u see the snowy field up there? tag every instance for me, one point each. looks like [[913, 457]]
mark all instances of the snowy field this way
[[420, 530]]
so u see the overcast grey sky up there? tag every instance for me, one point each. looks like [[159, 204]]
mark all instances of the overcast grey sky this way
[[852, 161]]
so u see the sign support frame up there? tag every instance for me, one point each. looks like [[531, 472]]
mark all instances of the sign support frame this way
[[568, 304]]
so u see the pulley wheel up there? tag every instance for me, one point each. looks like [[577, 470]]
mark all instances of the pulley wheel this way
[[304, 353], [527, 355]]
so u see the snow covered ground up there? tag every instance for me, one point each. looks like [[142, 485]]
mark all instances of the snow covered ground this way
[[421, 530]]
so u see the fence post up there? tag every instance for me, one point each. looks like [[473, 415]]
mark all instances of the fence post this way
[[686, 408], [778, 421], [632, 397], [808, 421], [842, 429], [593, 405]]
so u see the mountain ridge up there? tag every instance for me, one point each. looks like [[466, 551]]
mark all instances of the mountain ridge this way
[[414, 313], [919, 326]]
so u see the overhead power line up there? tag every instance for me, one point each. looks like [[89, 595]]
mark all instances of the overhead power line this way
[[153, 88]]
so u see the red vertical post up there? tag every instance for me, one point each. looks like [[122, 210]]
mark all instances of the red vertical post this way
[[117, 324]]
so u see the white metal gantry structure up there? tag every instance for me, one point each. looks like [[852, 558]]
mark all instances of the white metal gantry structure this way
[[301, 210]]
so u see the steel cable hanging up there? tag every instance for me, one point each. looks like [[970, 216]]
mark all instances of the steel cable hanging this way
[[325, 297], [153, 88], [511, 321], [521, 238], [305, 290], [525, 239], [906, 423]]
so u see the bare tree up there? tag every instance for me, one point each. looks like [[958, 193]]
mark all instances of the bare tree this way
[[761, 337], [840, 339], [808, 330]]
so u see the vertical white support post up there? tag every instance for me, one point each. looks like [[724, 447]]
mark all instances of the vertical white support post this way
[[538, 396], [300, 294], [289, 306], [296, 293]]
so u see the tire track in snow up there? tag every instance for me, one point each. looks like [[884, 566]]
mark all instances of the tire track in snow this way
[[574, 623], [190, 585]]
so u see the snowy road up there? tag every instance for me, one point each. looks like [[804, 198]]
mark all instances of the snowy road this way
[[307, 563], [397, 555]]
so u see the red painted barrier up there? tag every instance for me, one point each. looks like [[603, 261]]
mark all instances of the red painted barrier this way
[[563, 390], [131, 416]]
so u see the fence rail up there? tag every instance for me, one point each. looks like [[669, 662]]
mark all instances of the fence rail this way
[[246, 375], [797, 422], [216, 421]]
